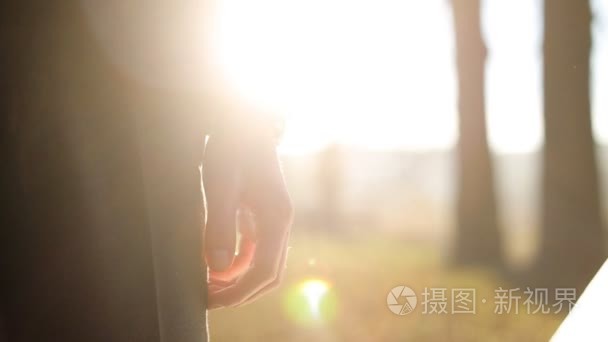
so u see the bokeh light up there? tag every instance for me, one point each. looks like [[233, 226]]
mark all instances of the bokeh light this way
[[309, 302]]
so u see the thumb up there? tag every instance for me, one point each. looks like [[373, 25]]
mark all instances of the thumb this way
[[222, 191]]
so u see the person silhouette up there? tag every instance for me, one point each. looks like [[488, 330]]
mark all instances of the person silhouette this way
[[106, 229]]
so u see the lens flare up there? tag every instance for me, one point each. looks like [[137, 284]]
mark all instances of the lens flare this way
[[314, 291], [311, 302]]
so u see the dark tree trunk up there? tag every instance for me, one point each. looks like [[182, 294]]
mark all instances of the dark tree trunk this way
[[477, 236], [573, 245]]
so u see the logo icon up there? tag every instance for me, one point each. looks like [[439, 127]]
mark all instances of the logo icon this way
[[401, 300]]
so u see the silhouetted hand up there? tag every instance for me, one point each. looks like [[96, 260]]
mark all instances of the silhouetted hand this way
[[244, 190]]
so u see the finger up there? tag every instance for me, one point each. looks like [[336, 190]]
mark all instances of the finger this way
[[222, 191], [214, 288], [240, 264], [246, 249], [275, 283], [222, 283], [214, 307], [266, 265]]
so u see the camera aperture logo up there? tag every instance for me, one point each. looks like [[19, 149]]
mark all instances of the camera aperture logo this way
[[401, 300]]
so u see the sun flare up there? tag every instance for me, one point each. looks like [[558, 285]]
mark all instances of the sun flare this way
[[311, 301], [377, 74]]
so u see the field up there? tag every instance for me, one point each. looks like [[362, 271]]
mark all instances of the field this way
[[336, 288]]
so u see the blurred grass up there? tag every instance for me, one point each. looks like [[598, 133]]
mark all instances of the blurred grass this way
[[361, 271]]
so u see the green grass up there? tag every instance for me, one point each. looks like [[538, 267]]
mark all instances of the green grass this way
[[361, 272]]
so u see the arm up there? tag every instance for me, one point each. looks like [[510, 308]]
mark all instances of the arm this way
[[244, 187]]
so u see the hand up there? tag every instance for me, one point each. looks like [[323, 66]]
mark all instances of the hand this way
[[244, 188]]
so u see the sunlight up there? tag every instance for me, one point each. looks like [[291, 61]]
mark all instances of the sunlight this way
[[378, 74], [310, 301], [314, 290], [346, 71]]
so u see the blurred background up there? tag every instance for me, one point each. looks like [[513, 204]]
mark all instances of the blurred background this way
[[430, 144]]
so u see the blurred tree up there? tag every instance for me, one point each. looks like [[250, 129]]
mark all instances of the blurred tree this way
[[573, 245], [477, 240]]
